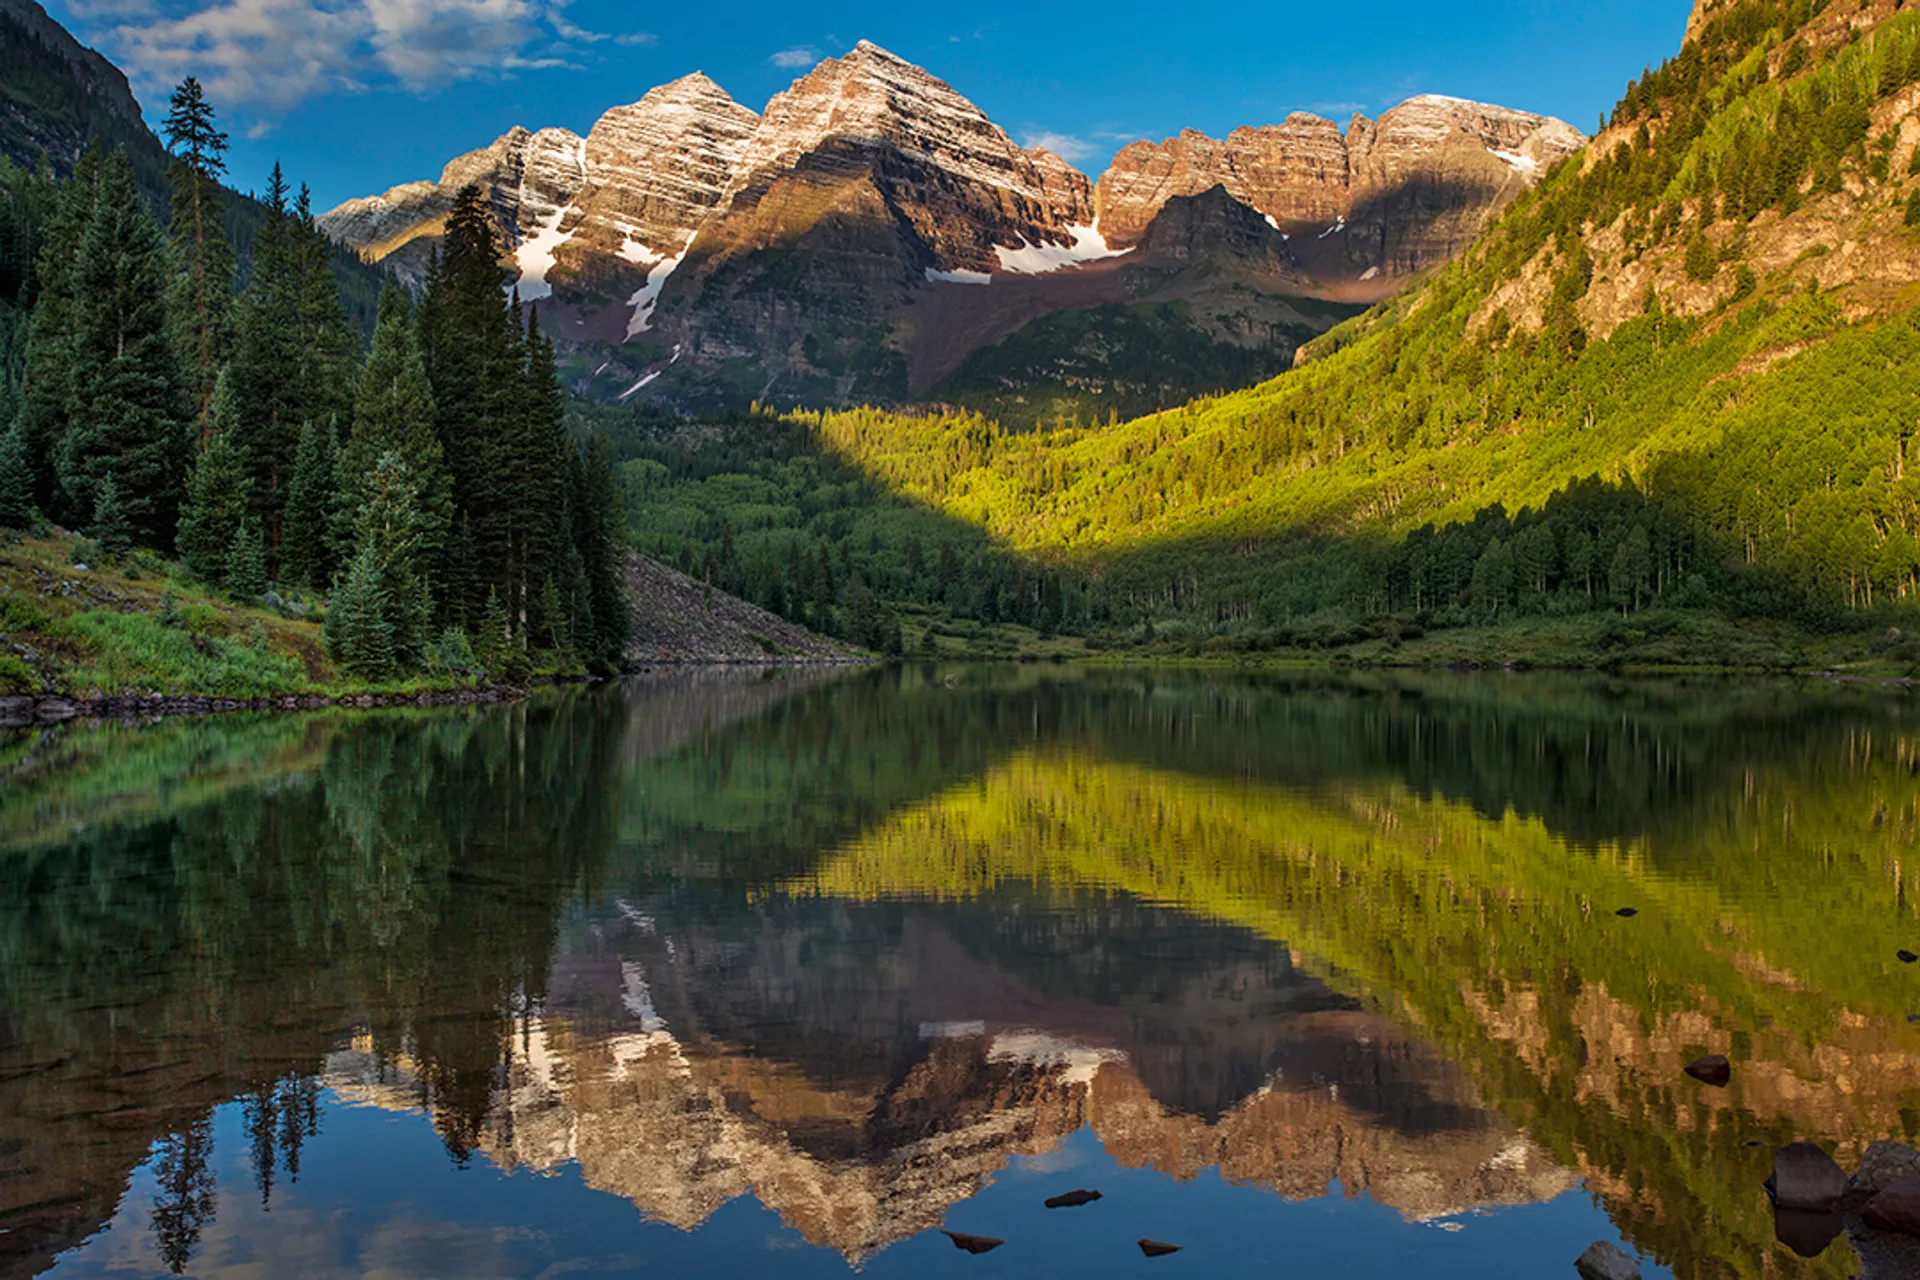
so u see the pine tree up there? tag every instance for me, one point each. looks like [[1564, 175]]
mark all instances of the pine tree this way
[[16, 478], [47, 396], [602, 539], [529, 459], [358, 635], [474, 366], [126, 414], [393, 413], [247, 562], [264, 360], [495, 650], [201, 293], [307, 543], [216, 500], [388, 528], [109, 526]]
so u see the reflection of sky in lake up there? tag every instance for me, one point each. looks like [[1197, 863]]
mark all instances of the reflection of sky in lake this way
[[378, 1197]]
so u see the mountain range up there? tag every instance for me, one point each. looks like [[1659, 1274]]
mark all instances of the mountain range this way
[[873, 236]]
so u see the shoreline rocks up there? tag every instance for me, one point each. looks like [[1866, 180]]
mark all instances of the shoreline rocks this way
[[1604, 1260], [1806, 1177]]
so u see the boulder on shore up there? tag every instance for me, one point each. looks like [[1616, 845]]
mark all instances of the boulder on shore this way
[[1604, 1260], [1885, 1164], [1896, 1208], [1805, 1177]]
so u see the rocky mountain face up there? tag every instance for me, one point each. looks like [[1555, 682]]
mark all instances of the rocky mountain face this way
[[56, 95], [873, 229]]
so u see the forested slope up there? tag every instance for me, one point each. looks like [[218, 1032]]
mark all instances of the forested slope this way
[[1679, 373]]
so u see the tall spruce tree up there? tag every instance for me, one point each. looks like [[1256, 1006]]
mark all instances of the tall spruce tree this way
[[216, 500], [307, 545], [389, 527], [47, 394], [469, 345], [530, 461], [393, 412], [16, 477], [602, 533], [264, 358], [201, 294], [127, 417]]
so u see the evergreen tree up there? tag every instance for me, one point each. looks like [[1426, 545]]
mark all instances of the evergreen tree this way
[[16, 478], [388, 528], [126, 414], [247, 562], [264, 359], [358, 634], [201, 293], [110, 527], [529, 460], [47, 394], [216, 500], [602, 539], [393, 413], [473, 365], [307, 542]]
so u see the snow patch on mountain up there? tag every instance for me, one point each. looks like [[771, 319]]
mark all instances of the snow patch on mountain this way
[[648, 295], [1526, 166], [535, 257], [1042, 259]]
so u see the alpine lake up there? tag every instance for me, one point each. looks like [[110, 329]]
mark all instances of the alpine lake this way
[[793, 973]]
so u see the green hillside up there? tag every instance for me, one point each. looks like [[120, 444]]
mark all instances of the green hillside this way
[[1678, 376]]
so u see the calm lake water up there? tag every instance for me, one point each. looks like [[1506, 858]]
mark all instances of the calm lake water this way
[[734, 974]]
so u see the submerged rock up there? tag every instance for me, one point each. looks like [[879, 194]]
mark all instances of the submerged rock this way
[[1906, 957], [1072, 1199], [1157, 1248], [1896, 1208], [1805, 1177], [1627, 913], [973, 1243], [1885, 1164], [1604, 1260], [1714, 1069]]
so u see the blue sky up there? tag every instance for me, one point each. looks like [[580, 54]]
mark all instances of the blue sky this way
[[357, 95]]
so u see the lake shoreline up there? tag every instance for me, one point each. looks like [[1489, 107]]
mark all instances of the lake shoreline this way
[[44, 710]]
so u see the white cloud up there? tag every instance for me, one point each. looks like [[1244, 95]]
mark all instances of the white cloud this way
[[1065, 145], [269, 55], [799, 56]]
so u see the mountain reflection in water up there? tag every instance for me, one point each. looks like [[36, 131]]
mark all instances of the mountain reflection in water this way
[[876, 952]]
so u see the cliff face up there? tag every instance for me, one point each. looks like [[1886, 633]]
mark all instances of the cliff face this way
[[1383, 201], [872, 228]]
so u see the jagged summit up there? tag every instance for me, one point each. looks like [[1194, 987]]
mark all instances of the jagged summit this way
[[800, 238]]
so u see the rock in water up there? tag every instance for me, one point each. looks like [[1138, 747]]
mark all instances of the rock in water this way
[[1885, 1164], [1606, 1261], [1072, 1199], [1714, 1069], [1157, 1248], [1805, 1177], [1627, 913], [1897, 1208], [973, 1243], [1906, 957]]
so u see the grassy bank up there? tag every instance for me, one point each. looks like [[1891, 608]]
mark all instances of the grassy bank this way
[[141, 625], [1662, 640]]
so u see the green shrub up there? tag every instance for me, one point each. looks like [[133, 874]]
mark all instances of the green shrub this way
[[17, 613]]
